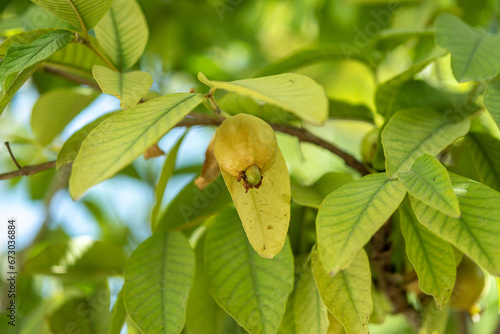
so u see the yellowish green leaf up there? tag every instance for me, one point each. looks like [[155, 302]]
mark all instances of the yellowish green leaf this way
[[296, 93], [264, 212], [129, 87]]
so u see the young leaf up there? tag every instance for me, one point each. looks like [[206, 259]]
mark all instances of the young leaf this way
[[485, 153], [432, 257], [296, 93], [264, 212], [129, 87], [118, 315], [250, 288], [477, 232], [474, 54], [71, 146], [21, 56], [429, 181], [123, 33], [491, 100], [82, 14], [76, 258], [13, 83], [166, 173], [430, 133], [347, 294], [158, 277], [310, 314], [89, 314], [56, 108], [350, 216], [120, 139]]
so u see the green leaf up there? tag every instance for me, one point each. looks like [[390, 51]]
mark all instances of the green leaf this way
[[343, 110], [56, 108], [13, 83], [432, 257], [386, 94], [166, 172], [71, 146], [430, 131], [429, 181], [192, 206], [296, 93], [78, 257], [21, 56], [82, 14], [121, 138], [485, 153], [348, 293], [350, 216], [264, 212], [158, 277], [313, 195], [129, 87], [288, 322], [25, 37], [477, 232], [491, 100], [304, 58], [88, 314], [233, 104], [250, 288], [474, 54], [310, 314], [118, 315], [123, 33]]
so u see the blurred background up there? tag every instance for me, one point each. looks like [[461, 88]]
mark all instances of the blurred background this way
[[226, 40]]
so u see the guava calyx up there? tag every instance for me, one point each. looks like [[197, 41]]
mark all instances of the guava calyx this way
[[251, 178]]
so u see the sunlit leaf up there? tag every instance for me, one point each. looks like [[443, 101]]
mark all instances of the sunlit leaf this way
[[123, 33], [79, 257], [121, 138], [56, 108], [477, 232], [350, 216], [21, 56], [264, 212], [310, 314], [296, 93], [158, 277], [71, 146], [491, 100], [429, 181], [252, 289], [25, 37], [129, 87], [82, 14], [431, 256], [474, 54], [430, 133], [347, 294]]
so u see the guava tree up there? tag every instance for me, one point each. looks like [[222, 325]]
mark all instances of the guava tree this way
[[288, 226]]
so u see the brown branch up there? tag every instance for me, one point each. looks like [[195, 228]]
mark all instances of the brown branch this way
[[202, 119], [12, 155], [28, 170]]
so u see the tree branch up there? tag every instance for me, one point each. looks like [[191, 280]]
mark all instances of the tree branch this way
[[202, 119], [28, 170]]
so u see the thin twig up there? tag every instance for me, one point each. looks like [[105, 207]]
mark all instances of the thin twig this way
[[12, 155], [28, 170]]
